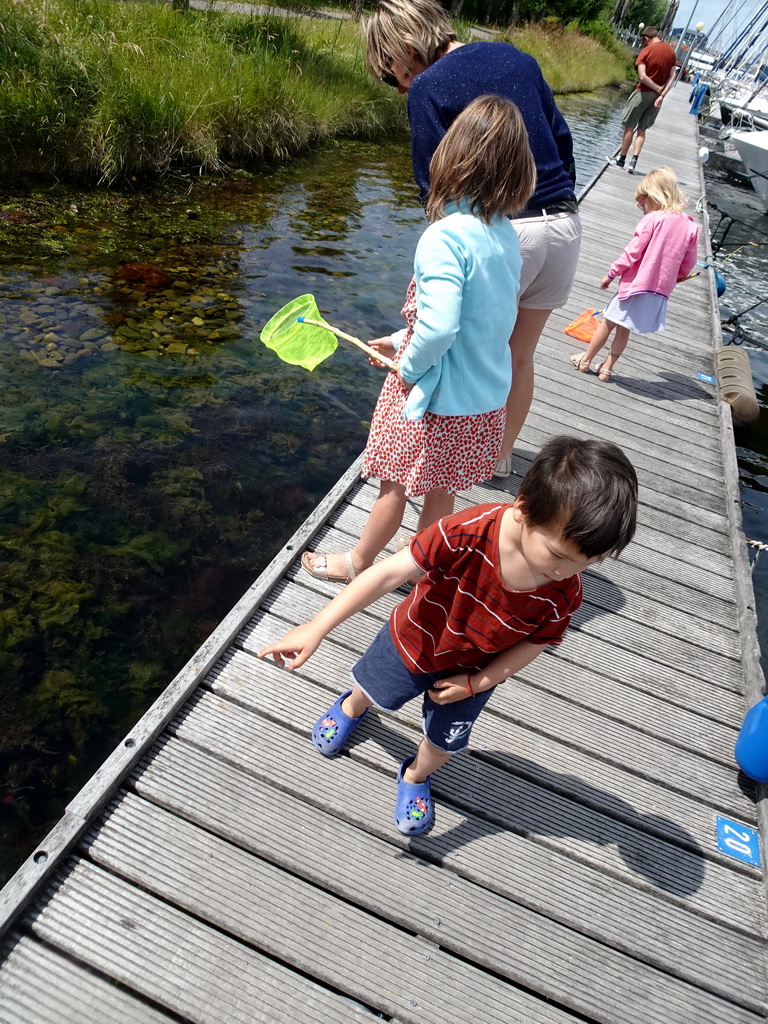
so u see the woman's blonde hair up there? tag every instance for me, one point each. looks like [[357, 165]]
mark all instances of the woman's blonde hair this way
[[399, 30], [660, 186], [483, 158]]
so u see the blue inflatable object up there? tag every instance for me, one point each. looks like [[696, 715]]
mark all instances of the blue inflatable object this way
[[720, 284], [752, 744], [698, 95]]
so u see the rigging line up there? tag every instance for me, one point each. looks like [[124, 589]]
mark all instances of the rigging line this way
[[735, 220], [734, 46], [721, 263], [735, 317], [759, 548], [736, 335]]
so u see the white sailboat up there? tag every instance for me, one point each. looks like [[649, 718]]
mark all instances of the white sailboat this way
[[753, 150], [738, 79]]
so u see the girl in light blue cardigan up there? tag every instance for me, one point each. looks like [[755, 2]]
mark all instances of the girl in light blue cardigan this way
[[439, 421]]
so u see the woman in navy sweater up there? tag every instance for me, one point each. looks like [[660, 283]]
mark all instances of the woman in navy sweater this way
[[410, 45]]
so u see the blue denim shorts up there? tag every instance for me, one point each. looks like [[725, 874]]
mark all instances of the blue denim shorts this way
[[385, 680]]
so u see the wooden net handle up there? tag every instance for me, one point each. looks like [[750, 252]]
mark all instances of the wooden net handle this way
[[355, 341]]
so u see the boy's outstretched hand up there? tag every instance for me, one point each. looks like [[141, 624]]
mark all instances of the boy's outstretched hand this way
[[300, 643], [449, 690]]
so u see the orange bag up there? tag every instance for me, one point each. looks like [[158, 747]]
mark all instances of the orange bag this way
[[584, 326]]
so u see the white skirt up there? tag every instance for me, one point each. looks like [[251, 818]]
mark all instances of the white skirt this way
[[644, 313]]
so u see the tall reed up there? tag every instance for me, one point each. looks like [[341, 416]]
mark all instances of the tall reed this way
[[102, 90], [571, 61]]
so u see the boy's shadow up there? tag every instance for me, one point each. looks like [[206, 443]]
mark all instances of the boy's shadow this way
[[498, 791], [601, 597], [655, 847]]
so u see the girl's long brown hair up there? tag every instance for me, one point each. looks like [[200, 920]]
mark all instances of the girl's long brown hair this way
[[483, 158]]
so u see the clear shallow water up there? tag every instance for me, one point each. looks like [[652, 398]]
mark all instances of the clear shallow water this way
[[155, 455]]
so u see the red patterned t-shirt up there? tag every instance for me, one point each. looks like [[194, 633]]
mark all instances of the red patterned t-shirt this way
[[460, 615]]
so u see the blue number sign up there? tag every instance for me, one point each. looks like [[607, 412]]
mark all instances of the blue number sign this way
[[738, 840]]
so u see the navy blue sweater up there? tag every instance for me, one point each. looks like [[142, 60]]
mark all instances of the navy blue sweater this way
[[439, 94]]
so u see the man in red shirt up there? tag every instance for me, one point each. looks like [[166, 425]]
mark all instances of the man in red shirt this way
[[656, 67], [499, 582]]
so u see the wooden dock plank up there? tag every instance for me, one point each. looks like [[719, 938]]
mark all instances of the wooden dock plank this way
[[217, 869], [38, 985], [459, 916], [299, 922], [613, 741], [637, 921], [531, 805], [170, 957], [539, 752]]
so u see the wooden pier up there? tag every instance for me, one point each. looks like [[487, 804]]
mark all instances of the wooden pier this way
[[216, 869]]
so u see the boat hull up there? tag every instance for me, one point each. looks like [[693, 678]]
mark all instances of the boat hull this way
[[753, 150]]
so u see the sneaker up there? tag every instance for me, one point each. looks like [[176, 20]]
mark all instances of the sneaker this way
[[632, 165], [616, 161]]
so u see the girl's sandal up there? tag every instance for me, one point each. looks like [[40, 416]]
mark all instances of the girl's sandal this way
[[603, 373], [332, 730], [579, 363], [319, 568], [414, 811]]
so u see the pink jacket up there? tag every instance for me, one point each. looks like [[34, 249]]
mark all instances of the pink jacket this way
[[661, 253]]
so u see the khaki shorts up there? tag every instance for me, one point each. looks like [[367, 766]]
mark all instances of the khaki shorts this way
[[639, 110], [550, 249]]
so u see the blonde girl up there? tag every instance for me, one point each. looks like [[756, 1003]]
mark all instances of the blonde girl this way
[[661, 253], [439, 421]]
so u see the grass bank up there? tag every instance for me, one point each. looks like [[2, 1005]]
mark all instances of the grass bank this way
[[572, 61], [102, 91]]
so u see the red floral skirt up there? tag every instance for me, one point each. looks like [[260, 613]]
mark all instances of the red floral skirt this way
[[453, 452]]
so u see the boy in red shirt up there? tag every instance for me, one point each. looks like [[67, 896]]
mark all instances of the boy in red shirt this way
[[499, 582]]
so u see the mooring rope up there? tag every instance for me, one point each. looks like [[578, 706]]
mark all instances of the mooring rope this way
[[759, 547]]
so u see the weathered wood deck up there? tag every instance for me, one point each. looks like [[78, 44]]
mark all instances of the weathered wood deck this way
[[216, 869]]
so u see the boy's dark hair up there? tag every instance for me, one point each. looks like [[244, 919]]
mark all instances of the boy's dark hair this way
[[589, 488]]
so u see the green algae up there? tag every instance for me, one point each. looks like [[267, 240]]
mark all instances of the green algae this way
[[140, 494]]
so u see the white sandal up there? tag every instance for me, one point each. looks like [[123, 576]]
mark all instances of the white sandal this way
[[320, 569], [503, 468]]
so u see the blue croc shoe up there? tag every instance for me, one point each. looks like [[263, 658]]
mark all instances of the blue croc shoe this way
[[332, 730], [414, 811]]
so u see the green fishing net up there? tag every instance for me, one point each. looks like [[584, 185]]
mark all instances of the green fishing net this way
[[298, 343]]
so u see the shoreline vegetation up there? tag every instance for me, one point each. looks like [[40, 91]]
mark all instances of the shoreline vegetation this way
[[108, 91]]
